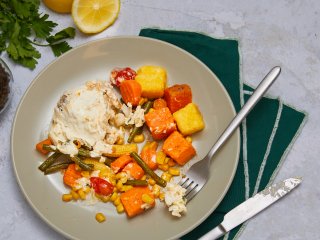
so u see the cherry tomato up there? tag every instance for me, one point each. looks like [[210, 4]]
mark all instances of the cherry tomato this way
[[101, 186], [118, 75]]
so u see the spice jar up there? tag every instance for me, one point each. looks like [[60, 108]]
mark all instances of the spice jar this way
[[5, 85]]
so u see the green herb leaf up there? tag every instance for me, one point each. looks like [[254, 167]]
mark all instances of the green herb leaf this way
[[64, 34], [20, 21], [60, 48], [42, 27]]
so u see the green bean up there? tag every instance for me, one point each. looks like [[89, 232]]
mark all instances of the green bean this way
[[49, 161], [147, 106], [83, 152], [56, 167], [138, 130], [48, 148], [147, 170], [136, 182], [108, 161], [84, 166]]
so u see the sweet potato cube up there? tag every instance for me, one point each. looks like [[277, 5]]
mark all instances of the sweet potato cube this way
[[134, 170], [133, 203], [148, 154], [160, 123], [189, 119], [153, 80], [177, 96], [120, 162], [178, 148]]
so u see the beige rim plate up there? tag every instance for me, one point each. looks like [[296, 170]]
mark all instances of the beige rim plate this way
[[94, 61]]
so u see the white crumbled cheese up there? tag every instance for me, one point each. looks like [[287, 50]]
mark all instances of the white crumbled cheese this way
[[84, 114], [174, 199], [102, 159], [101, 147], [154, 158], [95, 173], [145, 206], [133, 117], [82, 183], [119, 119], [68, 148]]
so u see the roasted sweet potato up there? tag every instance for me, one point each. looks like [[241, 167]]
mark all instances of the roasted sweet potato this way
[[71, 175], [134, 170], [177, 96], [148, 154], [133, 203], [120, 162], [160, 122], [178, 148]]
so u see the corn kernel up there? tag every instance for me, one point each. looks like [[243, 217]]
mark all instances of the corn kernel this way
[[117, 201], [160, 157], [114, 196], [126, 188], [103, 198], [82, 195], [161, 196], [174, 171], [119, 185], [120, 141], [166, 176], [146, 198], [167, 159], [171, 162], [74, 194], [66, 197], [144, 177], [189, 139], [163, 167], [120, 208], [85, 174], [100, 217], [86, 190], [151, 181], [156, 190], [138, 138], [121, 175]]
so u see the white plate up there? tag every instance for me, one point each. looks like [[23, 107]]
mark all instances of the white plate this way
[[93, 61]]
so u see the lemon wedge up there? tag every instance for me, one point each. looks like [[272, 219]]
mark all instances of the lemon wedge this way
[[94, 16], [60, 6]]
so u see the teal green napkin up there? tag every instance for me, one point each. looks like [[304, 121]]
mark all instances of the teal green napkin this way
[[266, 135]]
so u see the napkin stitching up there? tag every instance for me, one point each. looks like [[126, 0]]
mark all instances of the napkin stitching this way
[[270, 142], [247, 92], [286, 152], [244, 128]]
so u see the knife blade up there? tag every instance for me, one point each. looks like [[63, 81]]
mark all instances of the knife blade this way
[[252, 206]]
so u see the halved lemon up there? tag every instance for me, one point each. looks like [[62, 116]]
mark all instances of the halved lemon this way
[[60, 6], [93, 16]]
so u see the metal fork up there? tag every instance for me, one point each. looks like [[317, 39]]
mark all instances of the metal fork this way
[[198, 174]]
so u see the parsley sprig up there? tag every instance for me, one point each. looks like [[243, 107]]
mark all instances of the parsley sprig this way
[[23, 28]]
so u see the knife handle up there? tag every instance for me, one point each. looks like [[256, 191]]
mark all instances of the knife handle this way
[[215, 233]]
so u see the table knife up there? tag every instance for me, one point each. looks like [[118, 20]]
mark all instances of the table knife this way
[[252, 206]]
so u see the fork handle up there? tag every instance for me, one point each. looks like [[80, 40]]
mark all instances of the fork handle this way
[[264, 85]]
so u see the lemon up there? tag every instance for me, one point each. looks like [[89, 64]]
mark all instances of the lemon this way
[[93, 16], [60, 6]]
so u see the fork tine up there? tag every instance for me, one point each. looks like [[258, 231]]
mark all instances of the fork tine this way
[[191, 194], [191, 187], [182, 181], [189, 184]]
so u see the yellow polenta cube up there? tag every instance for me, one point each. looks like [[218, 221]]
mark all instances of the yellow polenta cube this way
[[189, 119], [153, 81]]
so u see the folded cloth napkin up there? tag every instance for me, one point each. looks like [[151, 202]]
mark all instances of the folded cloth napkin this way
[[266, 135]]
